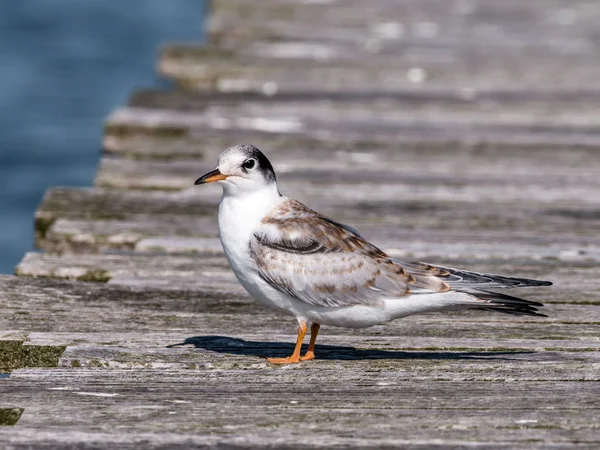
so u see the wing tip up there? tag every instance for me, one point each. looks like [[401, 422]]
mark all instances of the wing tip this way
[[509, 304], [527, 282], [514, 311]]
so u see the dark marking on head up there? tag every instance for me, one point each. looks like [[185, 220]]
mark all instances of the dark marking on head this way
[[262, 162]]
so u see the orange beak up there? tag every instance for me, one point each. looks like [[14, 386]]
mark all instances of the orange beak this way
[[211, 177]]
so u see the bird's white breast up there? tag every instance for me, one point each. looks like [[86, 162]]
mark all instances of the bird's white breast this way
[[239, 219]]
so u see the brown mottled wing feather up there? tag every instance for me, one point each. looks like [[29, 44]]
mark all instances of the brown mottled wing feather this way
[[465, 281], [321, 262]]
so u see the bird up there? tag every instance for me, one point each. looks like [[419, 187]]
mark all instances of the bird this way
[[302, 263]]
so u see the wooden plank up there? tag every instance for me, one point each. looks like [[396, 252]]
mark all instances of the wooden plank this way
[[299, 127], [427, 23], [531, 102], [106, 408], [71, 307], [400, 227], [269, 74], [104, 319], [399, 171], [80, 236], [500, 110], [401, 205], [204, 272], [174, 125], [423, 38], [110, 205], [380, 115], [179, 234], [81, 318]]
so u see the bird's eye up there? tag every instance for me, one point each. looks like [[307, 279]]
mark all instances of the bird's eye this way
[[249, 163]]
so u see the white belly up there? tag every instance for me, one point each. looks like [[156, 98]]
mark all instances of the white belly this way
[[237, 222], [362, 316]]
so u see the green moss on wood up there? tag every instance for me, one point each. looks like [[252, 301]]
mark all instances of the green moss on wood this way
[[10, 355], [158, 132], [117, 185], [98, 363], [42, 225], [96, 276], [10, 416], [15, 355], [195, 52], [142, 155], [42, 355]]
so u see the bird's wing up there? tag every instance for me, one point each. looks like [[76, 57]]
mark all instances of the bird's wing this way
[[465, 281], [320, 262]]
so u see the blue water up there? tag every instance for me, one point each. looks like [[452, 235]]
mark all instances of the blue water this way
[[64, 65]]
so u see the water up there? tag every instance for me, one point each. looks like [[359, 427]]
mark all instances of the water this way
[[65, 64]]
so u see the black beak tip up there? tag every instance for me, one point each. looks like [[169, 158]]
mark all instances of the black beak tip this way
[[207, 177]]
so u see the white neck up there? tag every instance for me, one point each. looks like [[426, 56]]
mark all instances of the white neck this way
[[240, 214], [250, 205]]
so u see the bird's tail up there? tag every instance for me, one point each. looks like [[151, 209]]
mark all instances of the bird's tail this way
[[457, 300], [494, 301]]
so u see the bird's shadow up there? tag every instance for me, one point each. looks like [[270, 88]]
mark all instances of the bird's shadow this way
[[236, 346]]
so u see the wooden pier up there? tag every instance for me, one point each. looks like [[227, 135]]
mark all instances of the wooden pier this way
[[458, 132]]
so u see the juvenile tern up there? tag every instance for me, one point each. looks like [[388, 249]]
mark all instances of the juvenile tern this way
[[299, 262]]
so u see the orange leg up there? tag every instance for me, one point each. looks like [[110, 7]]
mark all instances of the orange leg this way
[[302, 328], [310, 353]]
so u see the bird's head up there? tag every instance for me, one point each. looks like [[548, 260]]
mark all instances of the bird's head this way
[[242, 169]]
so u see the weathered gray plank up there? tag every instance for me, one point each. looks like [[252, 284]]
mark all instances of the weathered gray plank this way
[[193, 68], [154, 129], [138, 313], [483, 110], [339, 117], [341, 143], [531, 103], [203, 272], [390, 411], [447, 44], [70, 311], [431, 245], [107, 205], [403, 173], [549, 220], [518, 239], [55, 305], [575, 282], [570, 24]]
